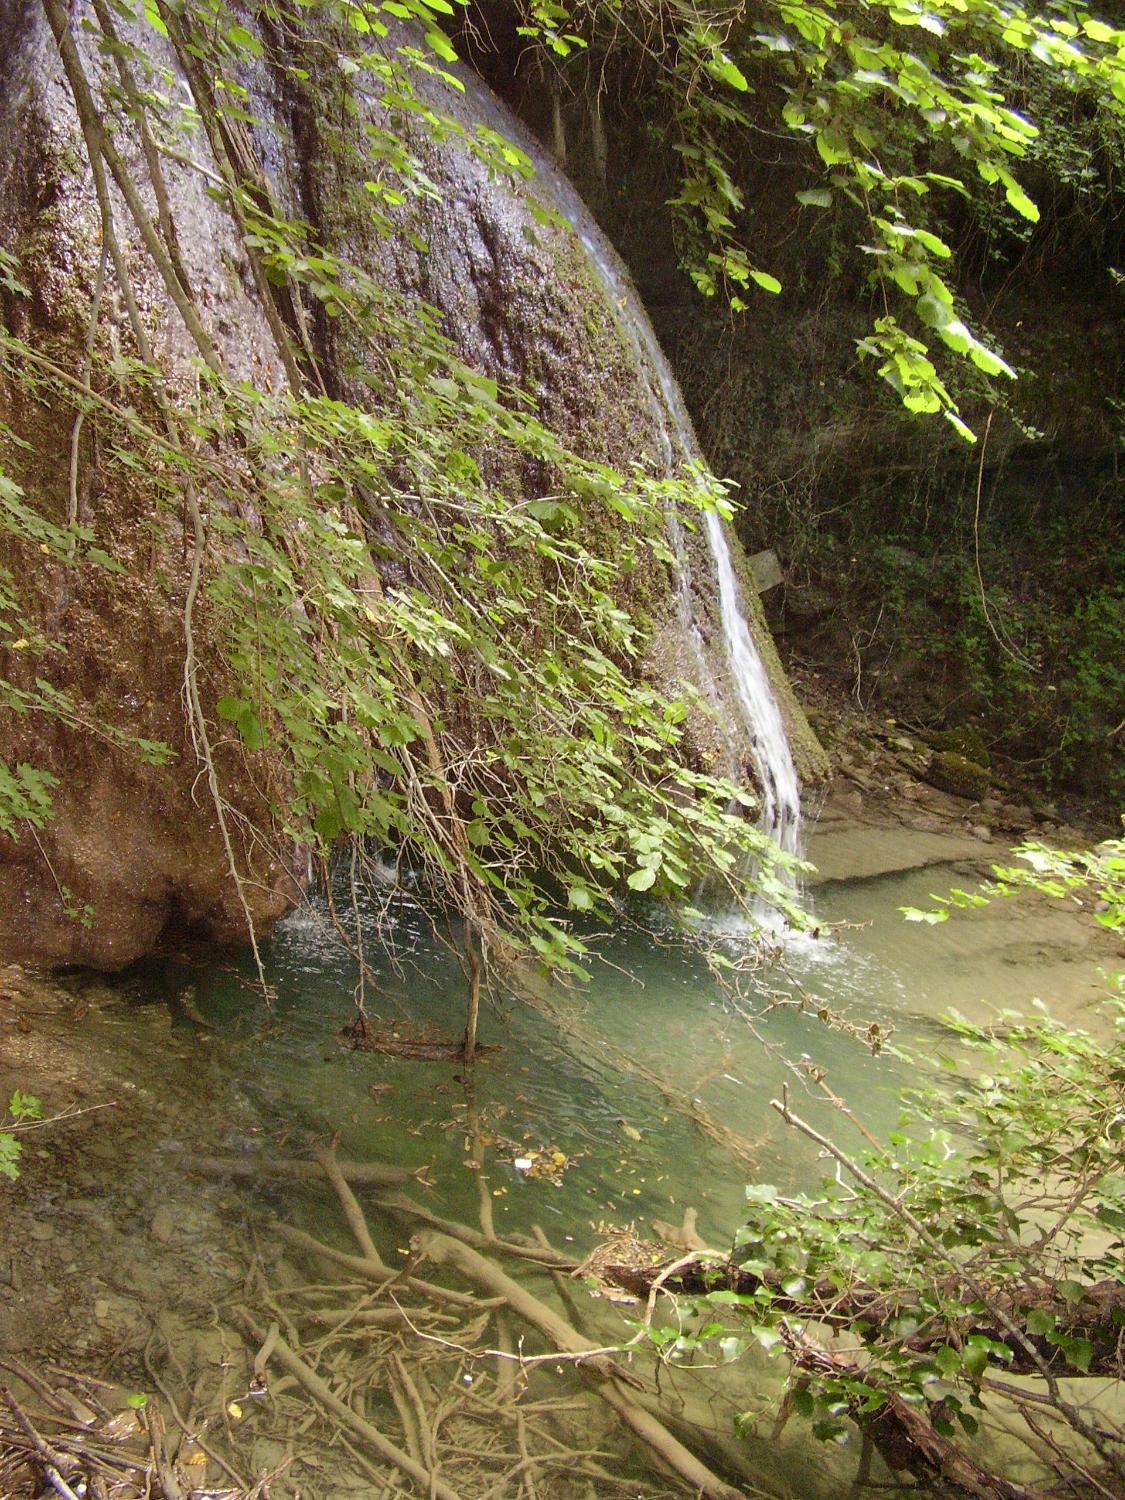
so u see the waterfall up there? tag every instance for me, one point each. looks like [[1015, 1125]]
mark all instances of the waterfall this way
[[781, 798], [763, 730], [755, 727]]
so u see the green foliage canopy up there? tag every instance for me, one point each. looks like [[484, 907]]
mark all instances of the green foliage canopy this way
[[900, 101]]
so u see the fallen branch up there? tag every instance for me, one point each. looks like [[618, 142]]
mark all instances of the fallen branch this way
[[537, 1254], [318, 1389], [869, 1311], [357, 1223], [903, 1433], [996, 1308], [444, 1251], [254, 1168], [374, 1271], [51, 1462]]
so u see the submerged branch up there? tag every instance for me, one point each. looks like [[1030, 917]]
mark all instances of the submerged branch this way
[[321, 1392], [868, 1310], [608, 1378]]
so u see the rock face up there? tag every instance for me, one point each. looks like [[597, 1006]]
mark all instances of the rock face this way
[[133, 856]]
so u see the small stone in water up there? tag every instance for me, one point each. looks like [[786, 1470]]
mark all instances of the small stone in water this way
[[163, 1224]]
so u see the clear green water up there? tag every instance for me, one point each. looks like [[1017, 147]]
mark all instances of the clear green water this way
[[632, 1155], [544, 1087]]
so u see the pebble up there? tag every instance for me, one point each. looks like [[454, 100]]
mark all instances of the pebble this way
[[41, 1231], [163, 1224]]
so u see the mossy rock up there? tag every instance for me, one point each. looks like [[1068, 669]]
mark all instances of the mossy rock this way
[[956, 774], [963, 741]]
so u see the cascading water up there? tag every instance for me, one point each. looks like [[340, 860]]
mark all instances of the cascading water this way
[[755, 726], [760, 716], [781, 797]]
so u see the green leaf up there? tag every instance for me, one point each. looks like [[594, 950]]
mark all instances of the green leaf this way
[[761, 1192], [728, 72], [241, 712], [441, 45], [767, 282], [932, 243], [966, 432], [642, 880], [932, 311], [153, 17], [1021, 202], [832, 146], [959, 339], [815, 197], [10, 1150], [238, 36], [801, 1400], [931, 918], [1040, 1321], [990, 362], [1079, 1352]]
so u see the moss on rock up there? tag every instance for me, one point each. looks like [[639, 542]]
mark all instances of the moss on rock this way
[[956, 774], [962, 740]]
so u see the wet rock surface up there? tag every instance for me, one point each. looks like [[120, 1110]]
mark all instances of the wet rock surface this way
[[133, 857], [103, 1234]]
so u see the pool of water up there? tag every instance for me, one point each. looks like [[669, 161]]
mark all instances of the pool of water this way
[[610, 1108]]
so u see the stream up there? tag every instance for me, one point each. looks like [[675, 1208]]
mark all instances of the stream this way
[[580, 1110]]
